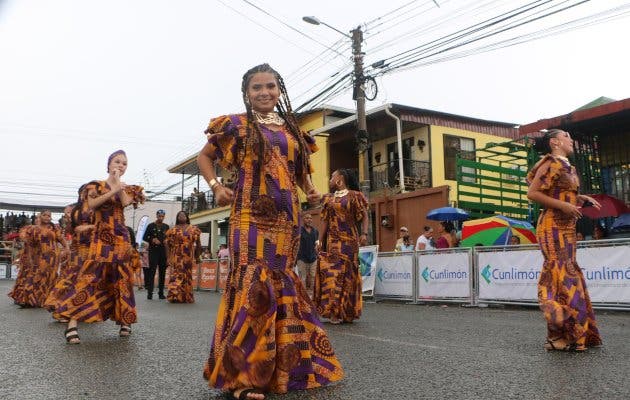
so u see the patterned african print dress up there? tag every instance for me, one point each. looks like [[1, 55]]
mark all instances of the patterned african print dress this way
[[68, 271], [104, 286], [338, 278], [181, 242], [267, 334], [562, 293], [44, 262], [22, 292]]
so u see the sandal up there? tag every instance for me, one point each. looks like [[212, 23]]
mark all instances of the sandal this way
[[551, 345], [124, 331], [70, 338], [243, 394]]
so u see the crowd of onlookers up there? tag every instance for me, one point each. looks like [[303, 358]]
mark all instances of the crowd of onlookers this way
[[11, 223]]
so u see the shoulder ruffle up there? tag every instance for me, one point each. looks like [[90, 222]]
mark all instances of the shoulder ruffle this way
[[553, 168]]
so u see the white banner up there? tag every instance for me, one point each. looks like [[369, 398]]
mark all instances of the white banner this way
[[368, 255], [142, 227], [3, 271], [443, 275], [509, 275], [393, 275], [607, 273]]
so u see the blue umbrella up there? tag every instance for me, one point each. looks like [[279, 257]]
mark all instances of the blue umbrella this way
[[447, 214], [623, 221]]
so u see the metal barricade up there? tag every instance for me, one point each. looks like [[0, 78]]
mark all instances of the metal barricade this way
[[394, 276], [6, 259], [212, 274], [444, 275], [509, 274]]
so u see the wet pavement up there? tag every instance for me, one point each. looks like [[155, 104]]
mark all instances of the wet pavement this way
[[396, 351]]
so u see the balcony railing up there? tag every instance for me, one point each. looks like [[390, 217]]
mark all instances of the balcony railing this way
[[199, 202], [386, 175]]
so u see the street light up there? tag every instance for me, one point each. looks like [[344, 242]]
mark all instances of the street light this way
[[358, 94], [315, 21]]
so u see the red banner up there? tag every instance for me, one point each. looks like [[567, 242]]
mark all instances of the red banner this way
[[208, 272], [224, 267]]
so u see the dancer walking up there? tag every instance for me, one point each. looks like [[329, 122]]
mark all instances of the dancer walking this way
[[562, 295], [338, 278], [42, 240], [267, 337], [104, 288], [183, 247], [80, 227]]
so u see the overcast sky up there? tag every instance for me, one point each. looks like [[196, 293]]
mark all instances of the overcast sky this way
[[81, 78]]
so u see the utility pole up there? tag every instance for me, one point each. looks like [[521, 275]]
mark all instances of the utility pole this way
[[358, 95]]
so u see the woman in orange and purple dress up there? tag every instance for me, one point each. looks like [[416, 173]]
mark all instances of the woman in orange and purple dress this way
[[183, 247], [268, 337], [104, 286], [338, 278], [21, 294], [80, 227], [562, 295], [41, 255]]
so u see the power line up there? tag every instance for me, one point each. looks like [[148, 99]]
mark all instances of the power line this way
[[290, 27]]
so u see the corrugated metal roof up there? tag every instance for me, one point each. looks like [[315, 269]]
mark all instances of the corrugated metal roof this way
[[565, 121]]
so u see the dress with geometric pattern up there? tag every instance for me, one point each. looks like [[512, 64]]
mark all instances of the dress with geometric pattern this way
[[562, 293], [338, 279], [267, 334], [104, 287], [79, 249], [181, 241]]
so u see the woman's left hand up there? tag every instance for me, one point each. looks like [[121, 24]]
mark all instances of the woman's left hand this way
[[363, 239], [582, 198]]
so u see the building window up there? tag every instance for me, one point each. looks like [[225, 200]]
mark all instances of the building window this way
[[452, 146]]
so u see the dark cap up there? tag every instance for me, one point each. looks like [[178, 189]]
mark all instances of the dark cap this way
[[160, 212]]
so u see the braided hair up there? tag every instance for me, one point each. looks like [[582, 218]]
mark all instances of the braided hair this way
[[350, 178], [542, 145], [254, 138]]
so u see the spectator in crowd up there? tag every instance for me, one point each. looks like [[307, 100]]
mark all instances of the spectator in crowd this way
[[444, 237], [404, 241], [154, 236], [598, 232], [223, 252], [206, 254], [515, 240], [579, 236], [424, 240], [307, 255]]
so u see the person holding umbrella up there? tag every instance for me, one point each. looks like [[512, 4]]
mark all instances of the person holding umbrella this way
[[562, 295]]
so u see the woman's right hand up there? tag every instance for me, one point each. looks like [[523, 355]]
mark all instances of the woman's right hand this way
[[223, 195], [117, 186], [571, 210]]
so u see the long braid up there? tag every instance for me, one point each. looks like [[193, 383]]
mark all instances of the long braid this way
[[286, 112]]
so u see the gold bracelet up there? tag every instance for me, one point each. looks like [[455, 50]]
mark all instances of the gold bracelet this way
[[213, 182]]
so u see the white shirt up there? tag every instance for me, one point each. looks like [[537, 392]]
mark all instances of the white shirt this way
[[426, 241]]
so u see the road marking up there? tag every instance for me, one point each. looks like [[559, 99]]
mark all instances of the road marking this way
[[385, 340]]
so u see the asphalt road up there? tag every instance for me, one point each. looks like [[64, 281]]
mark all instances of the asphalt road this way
[[396, 351]]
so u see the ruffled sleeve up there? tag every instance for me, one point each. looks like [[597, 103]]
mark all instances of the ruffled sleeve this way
[[223, 135], [553, 169], [136, 193], [359, 205], [196, 233]]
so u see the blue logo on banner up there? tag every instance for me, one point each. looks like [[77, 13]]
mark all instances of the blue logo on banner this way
[[425, 274], [486, 274]]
